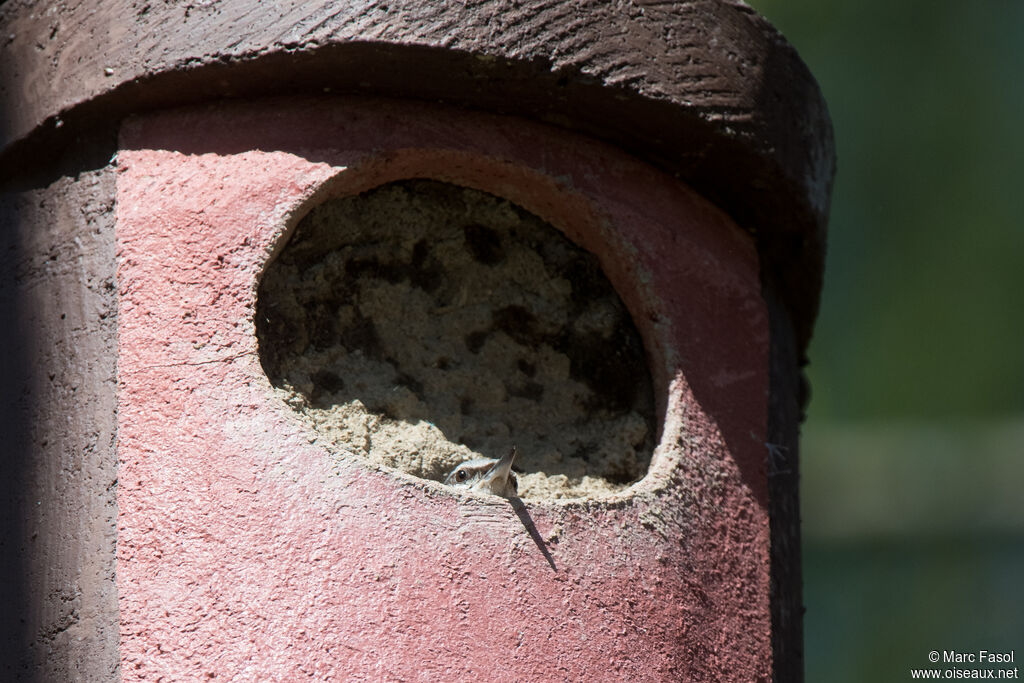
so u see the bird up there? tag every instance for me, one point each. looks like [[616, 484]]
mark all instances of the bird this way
[[486, 475]]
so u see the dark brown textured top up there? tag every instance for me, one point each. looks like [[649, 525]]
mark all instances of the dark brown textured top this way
[[704, 89]]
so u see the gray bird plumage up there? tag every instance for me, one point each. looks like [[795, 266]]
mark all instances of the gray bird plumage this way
[[488, 475]]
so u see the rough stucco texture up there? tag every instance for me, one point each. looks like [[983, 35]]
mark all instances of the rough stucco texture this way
[[246, 550]]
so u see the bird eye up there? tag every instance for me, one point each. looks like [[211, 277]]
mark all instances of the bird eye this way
[[461, 475]]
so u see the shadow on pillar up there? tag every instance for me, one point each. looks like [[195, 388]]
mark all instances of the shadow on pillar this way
[[16, 409], [58, 609]]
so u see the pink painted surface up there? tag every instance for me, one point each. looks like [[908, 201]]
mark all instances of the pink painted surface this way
[[245, 551]]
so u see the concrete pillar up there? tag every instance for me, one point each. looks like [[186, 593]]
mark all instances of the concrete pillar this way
[[272, 271]]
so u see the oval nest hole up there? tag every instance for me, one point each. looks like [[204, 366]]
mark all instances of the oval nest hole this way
[[422, 324]]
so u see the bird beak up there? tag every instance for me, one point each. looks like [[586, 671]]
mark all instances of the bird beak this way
[[502, 468]]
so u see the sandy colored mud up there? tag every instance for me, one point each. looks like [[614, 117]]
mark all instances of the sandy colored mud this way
[[421, 324]]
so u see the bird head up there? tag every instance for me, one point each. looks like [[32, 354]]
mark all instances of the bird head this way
[[488, 475]]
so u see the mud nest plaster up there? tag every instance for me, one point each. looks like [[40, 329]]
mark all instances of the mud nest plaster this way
[[422, 324]]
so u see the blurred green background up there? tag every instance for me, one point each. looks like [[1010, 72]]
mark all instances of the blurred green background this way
[[913, 452]]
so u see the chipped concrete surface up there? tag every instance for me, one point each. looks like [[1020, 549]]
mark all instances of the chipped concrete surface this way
[[246, 547]]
